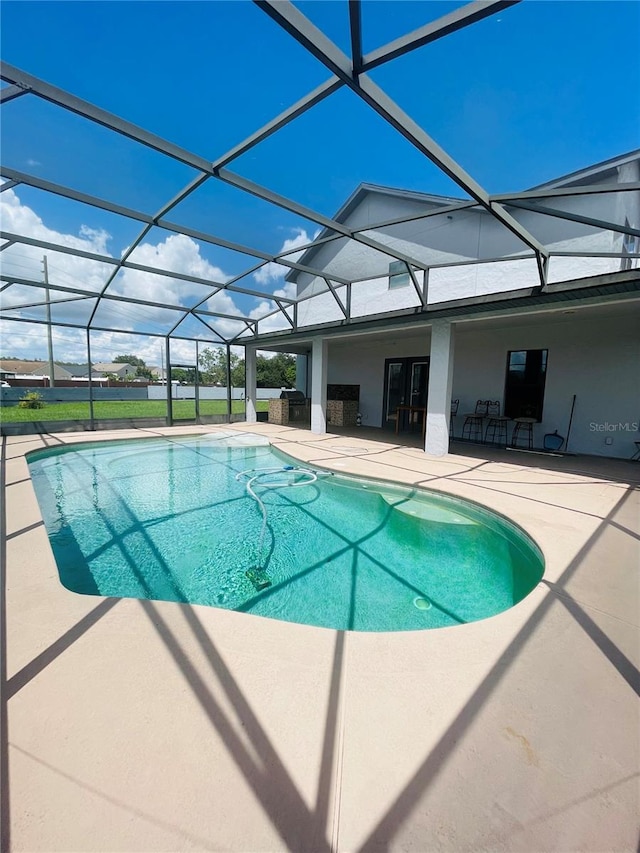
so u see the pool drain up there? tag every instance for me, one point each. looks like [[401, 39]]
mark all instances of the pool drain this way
[[422, 603]]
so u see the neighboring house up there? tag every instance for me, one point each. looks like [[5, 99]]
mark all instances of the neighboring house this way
[[465, 311], [81, 371], [18, 369], [25, 369], [77, 371], [158, 373], [122, 371]]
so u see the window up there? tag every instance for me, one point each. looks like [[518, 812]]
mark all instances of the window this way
[[524, 386], [398, 275]]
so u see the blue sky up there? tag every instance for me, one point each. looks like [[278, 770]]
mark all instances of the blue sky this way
[[541, 89]]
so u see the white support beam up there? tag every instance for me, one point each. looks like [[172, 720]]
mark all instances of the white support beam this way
[[301, 374], [250, 385], [319, 386], [440, 383]]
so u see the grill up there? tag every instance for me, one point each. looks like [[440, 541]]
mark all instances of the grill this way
[[299, 408], [293, 397]]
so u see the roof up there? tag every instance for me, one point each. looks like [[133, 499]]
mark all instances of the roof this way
[[32, 367], [13, 365], [604, 169], [75, 369], [112, 367], [356, 198]]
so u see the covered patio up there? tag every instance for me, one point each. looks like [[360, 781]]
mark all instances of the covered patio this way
[[464, 353]]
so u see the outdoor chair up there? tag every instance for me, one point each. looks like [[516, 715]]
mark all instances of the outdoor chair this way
[[454, 412], [523, 430], [496, 425], [473, 421]]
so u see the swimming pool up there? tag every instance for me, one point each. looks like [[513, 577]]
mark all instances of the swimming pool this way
[[227, 521]]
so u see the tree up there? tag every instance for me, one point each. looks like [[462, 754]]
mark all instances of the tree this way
[[186, 375], [237, 371], [179, 374], [145, 373], [133, 360], [213, 362], [276, 372], [138, 363]]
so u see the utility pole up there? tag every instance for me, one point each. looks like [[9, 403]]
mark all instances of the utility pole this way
[[52, 381]]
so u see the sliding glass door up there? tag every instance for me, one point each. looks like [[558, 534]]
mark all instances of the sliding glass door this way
[[405, 384]]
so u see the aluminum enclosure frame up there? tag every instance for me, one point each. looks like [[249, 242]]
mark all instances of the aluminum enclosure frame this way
[[345, 72]]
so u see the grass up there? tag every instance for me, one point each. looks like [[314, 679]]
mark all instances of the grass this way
[[108, 409]]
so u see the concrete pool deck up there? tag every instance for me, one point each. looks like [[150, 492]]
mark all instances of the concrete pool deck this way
[[153, 726]]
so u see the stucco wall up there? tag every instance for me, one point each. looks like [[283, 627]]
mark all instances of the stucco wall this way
[[458, 236], [362, 364], [595, 359]]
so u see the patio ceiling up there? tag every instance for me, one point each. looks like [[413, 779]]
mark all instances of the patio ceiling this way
[[246, 307]]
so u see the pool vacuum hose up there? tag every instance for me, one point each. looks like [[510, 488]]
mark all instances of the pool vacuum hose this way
[[257, 575]]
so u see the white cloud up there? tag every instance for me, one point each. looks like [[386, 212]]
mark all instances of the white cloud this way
[[176, 252], [277, 321], [26, 261], [289, 290], [274, 271], [25, 340]]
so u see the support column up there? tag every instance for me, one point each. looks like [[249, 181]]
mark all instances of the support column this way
[[92, 425], [167, 349], [250, 395], [319, 386], [440, 382], [301, 374]]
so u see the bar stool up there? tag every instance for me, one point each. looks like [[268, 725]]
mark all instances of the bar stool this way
[[523, 429], [497, 424], [473, 422], [454, 411]]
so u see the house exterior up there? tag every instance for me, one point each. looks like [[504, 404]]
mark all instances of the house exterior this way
[[121, 371], [24, 369], [77, 371], [62, 370], [439, 300]]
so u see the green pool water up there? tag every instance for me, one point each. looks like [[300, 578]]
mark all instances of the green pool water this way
[[172, 519]]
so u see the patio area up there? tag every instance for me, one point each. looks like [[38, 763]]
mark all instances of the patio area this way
[[136, 725]]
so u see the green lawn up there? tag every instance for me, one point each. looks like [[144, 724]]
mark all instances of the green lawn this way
[[121, 409]]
